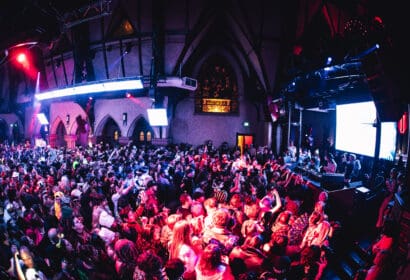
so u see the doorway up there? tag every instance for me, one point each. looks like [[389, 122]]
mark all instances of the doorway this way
[[244, 141]]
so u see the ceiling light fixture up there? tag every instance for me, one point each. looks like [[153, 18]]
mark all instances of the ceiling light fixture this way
[[91, 88]]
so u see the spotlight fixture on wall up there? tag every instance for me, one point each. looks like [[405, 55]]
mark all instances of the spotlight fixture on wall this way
[[67, 119], [124, 119]]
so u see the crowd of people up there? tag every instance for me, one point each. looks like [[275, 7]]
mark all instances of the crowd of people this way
[[147, 212]]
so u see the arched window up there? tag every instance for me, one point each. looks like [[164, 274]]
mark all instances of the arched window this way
[[217, 90], [116, 135], [143, 132]]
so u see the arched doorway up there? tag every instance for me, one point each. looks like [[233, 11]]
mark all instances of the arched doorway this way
[[143, 132], [110, 133], [4, 129], [60, 133]]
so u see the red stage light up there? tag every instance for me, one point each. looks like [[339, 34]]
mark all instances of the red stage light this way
[[21, 58], [378, 19]]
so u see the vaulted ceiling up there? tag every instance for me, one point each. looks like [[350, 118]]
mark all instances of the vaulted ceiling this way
[[310, 31]]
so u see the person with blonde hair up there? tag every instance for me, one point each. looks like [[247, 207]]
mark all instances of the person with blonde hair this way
[[221, 220], [181, 247]]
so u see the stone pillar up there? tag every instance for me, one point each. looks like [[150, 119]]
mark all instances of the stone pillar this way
[[52, 140], [123, 140], [70, 140]]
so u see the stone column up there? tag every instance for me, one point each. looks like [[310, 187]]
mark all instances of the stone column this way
[[70, 140]]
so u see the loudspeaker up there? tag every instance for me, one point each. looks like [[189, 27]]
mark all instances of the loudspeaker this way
[[332, 181], [383, 85], [383, 92]]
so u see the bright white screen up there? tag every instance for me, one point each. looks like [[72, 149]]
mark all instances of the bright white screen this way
[[42, 119], [355, 132], [388, 140], [157, 117]]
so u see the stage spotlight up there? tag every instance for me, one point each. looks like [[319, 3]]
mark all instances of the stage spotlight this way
[[329, 60], [21, 58], [128, 95]]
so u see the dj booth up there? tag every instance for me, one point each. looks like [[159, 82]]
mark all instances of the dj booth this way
[[341, 195], [326, 181]]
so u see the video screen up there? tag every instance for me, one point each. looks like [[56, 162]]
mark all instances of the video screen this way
[[356, 131], [355, 128], [388, 140], [157, 117]]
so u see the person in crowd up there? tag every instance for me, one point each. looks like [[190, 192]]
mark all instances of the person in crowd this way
[[151, 207], [311, 265], [167, 229], [317, 231], [210, 205], [221, 221], [250, 253], [330, 165], [390, 190], [185, 206], [78, 235], [149, 267], [181, 247], [281, 225], [212, 265], [53, 248], [381, 268], [252, 225], [174, 268], [353, 168], [197, 220], [281, 205], [27, 269], [126, 258], [387, 238]]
